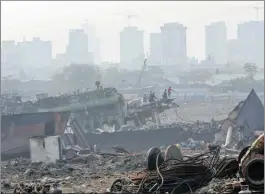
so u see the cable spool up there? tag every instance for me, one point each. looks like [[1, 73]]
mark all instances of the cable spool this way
[[173, 153], [151, 158]]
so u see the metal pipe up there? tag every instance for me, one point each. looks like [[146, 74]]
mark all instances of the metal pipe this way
[[228, 136], [253, 171]]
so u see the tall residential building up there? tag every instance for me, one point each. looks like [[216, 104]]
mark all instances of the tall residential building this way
[[155, 56], [35, 53], [131, 47], [174, 44], [250, 37], [9, 58], [93, 42], [8, 52], [77, 48], [233, 56], [216, 42]]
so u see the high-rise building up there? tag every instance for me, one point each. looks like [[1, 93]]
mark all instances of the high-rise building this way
[[43, 51], [250, 37], [93, 42], [233, 56], [155, 56], [8, 52], [131, 47], [9, 57], [174, 44], [216, 42], [35, 53], [77, 48]]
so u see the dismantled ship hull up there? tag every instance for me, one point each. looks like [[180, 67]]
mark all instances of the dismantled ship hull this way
[[17, 129], [144, 139]]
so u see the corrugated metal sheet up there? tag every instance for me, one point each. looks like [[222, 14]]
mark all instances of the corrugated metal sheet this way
[[249, 113]]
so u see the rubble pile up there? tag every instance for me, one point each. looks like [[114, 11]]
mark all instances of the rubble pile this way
[[186, 175], [157, 171], [82, 173], [38, 188], [181, 176], [196, 126], [185, 157]]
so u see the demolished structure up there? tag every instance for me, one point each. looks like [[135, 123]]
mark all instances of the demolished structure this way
[[91, 109], [246, 118], [82, 113], [185, 166], [18, 128]]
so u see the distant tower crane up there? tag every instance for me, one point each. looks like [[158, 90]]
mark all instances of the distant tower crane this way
[[257, 8], [129, 17]]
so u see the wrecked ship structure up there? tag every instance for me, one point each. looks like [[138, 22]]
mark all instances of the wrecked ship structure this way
[[81, 112], [92, 109], [247, 118]]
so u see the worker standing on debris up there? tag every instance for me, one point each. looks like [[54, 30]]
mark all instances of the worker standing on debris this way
[[150, 96], [164, 96], [145, 98], [169, 90], [154, 96]]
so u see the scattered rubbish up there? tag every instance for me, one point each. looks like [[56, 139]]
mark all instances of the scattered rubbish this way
[[78, 155], [193, 173]]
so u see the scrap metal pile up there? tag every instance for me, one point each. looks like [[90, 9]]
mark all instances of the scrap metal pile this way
[[165, 172], [170, 172], [178, 175]]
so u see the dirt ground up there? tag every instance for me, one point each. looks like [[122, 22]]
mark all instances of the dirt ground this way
[[80, 176], [96, 176], [190, 112]]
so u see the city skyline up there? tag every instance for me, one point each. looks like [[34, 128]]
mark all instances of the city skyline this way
[[110, 24], [148, 50]]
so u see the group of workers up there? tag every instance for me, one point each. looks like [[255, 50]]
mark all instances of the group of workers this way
[[152, 97], [167, 93]]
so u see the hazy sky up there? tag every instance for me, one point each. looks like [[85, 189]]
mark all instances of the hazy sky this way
[[51, 20]]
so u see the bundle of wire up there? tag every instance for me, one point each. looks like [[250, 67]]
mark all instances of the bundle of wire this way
[[177, 177]]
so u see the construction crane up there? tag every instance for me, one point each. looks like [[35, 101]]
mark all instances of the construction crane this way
[[139, 80], [257, 8], [129, 17]]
